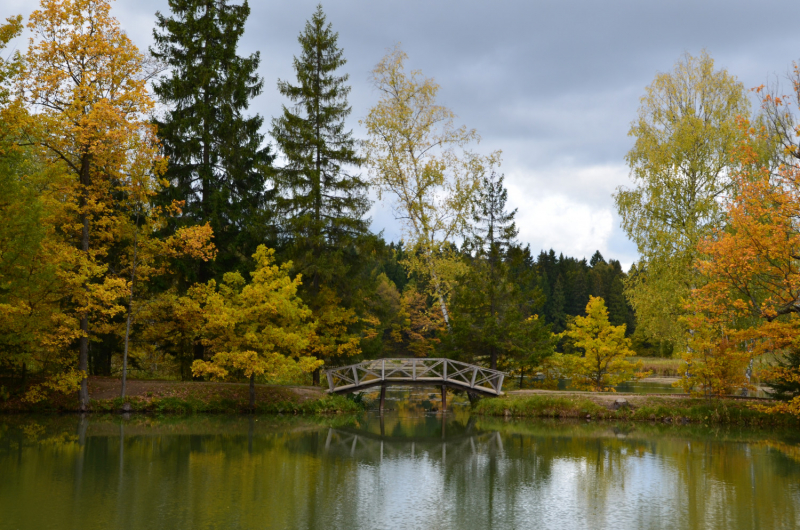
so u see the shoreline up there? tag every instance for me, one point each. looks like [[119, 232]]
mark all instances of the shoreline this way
[[188, 397], [198, 397], [667, 408]]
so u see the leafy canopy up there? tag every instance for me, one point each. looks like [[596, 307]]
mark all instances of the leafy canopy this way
[[605, 348], [681, 167]]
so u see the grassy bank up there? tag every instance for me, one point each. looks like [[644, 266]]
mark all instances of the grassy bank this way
[[191, 404], [187, 397], [650, 409], [659, 366]]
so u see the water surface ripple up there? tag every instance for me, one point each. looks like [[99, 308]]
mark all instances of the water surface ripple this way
[[405, 470]]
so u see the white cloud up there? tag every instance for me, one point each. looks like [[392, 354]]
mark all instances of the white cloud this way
[[569, 227]]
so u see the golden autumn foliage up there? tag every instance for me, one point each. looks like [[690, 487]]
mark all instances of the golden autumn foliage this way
[[603, 364], [35, 332], [260, 328], [418, 325], [85, 159], [333, 339], [422, 160]]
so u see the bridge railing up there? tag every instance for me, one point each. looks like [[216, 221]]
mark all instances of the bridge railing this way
[[416, 371]]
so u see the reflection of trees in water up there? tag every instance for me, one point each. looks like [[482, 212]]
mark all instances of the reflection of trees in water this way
[[455, 472], [411, 400]]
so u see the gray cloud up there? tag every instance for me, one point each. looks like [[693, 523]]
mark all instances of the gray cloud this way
[[554, 84]]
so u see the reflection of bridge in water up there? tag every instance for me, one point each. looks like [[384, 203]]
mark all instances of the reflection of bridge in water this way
[[366, 445], [431, 372]]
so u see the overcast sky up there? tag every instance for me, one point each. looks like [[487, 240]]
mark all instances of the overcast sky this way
[[554, 85]]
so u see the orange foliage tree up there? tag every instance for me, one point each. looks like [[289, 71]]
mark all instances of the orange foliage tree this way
[[750, 304]]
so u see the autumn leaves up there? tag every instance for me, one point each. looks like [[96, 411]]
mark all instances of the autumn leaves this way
[[714, 214]]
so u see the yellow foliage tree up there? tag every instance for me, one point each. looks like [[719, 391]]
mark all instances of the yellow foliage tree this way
[[146, 255], [605, 347], [174, 328], [417, 155], [681, 165], [83, 87], [32, 327], [259, 328], [418, 326]]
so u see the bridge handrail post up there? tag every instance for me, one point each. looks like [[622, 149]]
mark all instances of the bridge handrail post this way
[[474, 375], [413, 369], [330, 380], [499, 383], [355, 374], [444, 370], [383, 370]]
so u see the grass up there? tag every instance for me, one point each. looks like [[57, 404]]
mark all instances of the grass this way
[[661, 367], [186, 397], [191, 405], [666, 410]]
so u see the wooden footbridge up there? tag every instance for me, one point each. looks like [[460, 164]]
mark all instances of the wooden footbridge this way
[[431, 372]]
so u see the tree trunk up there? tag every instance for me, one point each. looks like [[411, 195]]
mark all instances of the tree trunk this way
[[253, 392], [443, 306], [315, 377], [129, 315], [83, 354], [83, 345], [125, 352]]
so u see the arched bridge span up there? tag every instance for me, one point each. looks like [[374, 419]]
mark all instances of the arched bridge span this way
[[425, 371]]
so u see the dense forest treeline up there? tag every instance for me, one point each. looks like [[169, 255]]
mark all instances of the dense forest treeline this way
[[147, 223]]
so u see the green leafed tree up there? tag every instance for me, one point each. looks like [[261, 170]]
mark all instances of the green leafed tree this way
[[680, 165], [218, 164]]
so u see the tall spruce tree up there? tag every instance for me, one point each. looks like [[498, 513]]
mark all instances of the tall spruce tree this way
[[323, 203], [491, 321], [321, 200], [217, 162], [493, 229]]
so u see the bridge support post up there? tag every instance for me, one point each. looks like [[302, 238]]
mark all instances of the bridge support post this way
[[444, 398], [383, 396]]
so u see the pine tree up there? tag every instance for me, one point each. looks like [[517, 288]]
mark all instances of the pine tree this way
[[558, 315], [323, 203], [493, 229], [596, 258], [579, 290], [217, 164], [492, 314]]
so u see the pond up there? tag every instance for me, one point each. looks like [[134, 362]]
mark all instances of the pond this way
[[405, 469]]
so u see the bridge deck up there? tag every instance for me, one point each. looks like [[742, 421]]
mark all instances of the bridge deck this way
[[454, 374]]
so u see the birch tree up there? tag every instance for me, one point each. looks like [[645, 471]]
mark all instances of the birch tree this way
[[418, 156], [680, 165]]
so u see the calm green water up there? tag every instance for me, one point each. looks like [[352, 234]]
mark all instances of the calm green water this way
[[407, 470]]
